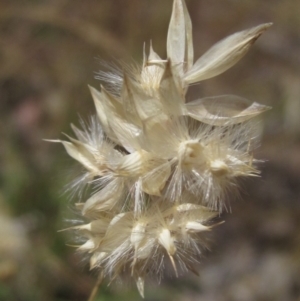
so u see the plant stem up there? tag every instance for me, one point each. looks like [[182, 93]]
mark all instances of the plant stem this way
[[96, 287]]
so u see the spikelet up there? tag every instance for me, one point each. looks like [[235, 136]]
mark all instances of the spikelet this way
[[161, 167]]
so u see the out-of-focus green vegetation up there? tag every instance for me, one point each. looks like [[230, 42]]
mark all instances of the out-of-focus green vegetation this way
[[49, 53]]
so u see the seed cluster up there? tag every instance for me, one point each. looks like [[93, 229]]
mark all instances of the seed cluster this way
[[160, 167]]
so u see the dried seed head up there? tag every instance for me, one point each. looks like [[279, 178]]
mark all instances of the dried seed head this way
[[161, 167]]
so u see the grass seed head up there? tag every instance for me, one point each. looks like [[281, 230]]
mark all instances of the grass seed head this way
[[161, 167]]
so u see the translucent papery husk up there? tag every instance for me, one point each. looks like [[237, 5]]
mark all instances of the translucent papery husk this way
[[146, 105], [86, 155], [106, 198], [160, 137], [101, 113], [92, 233], [129, 101], [135, 164], [153, 171], [152, 71], [224, 54], [194, 212], [90, 245], [165, 97], [114, 119], [170, 93], [94, 140], [118, 233], [180, 41], [223, 110], [164, 134], [137, 237], [155, 180], [126, 132]]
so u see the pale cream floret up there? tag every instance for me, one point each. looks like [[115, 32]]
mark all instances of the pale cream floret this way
[[219, 167], [191, 154]]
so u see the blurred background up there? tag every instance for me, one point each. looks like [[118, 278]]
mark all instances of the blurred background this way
[[50, 51]]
